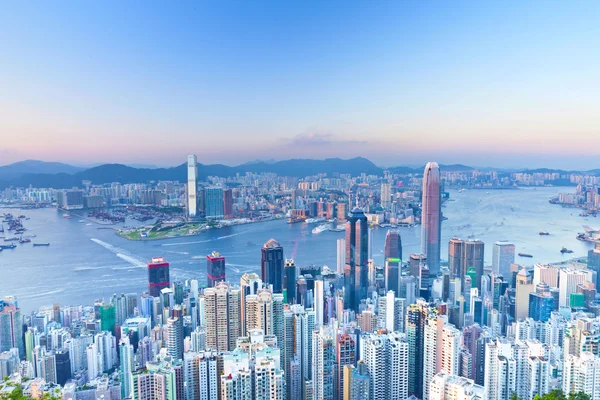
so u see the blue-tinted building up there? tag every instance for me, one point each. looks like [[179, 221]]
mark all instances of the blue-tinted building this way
[[357, 263], [541, 306], [214, 202]]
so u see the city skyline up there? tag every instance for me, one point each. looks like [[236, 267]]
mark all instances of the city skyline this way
[[474, 83]]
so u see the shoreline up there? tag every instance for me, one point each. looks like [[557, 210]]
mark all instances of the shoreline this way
[[120, 233]]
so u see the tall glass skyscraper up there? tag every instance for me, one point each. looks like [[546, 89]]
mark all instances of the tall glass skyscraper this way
[[356, 271], [192, 203], [431, 217], [272, 265], [392, 252]]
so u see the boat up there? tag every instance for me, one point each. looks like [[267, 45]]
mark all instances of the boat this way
[[314, 220], [8, 246], [81, 221], [250, 244], [24, 240], [320, 229], [11, 239], [544, 233], [565, 250], [41, 244], [338, 228], [67, 216], [525, 255]]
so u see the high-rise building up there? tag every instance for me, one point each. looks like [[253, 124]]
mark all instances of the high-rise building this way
[[324, 364], [126, 367], [392, 253], [227, 202], [192, 200], [319, 301], [416, 317], [200, 376], [582, 375], [358, 382], [272, 265], [451, 387], [431, 217], [345, 356], [214, 202], [541, 303], [594, 263], [341, 255], [387, 360], [289, 284], [356, 272], [11, 326], [567, 284], [502, 258], [223, 319], [386, 195], [158, 276], [464, 255], [215, 268], [175, 338]]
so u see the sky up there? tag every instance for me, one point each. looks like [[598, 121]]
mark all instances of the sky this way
[[506, 84]]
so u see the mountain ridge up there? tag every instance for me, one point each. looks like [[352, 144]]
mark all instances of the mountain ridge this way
[[59, 175]]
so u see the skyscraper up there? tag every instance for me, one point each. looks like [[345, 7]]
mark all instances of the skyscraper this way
[[386, 195], [158, 276], [192, 202], [502, 258], [392, 253], [272, 265], [289, 284], [463, 255], [215, 268], [214, 202], [175, 338], [341, 255], [227, 202], [431, 217], [356, 272], [223, 317], [11, 326]]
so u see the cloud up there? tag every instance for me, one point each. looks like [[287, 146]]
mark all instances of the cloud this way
[[320, 139]]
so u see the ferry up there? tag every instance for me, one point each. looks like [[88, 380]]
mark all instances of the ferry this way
[[338, 228], [41, 244], [525, 255], [320, 229], [314, 220]]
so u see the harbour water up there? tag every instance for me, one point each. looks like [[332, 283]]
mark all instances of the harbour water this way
[[87, 262]]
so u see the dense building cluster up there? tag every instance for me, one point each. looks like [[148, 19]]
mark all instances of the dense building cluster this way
[[413, 328]]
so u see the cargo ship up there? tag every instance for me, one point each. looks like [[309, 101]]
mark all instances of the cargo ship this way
[[525, 255], [544, 233], [41, 244]]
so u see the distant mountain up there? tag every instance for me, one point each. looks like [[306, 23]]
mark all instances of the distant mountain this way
[[57, 175], [18, 169], [122, 173]]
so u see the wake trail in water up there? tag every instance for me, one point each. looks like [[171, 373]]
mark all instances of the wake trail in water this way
[[203, 241], [122, 254]]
